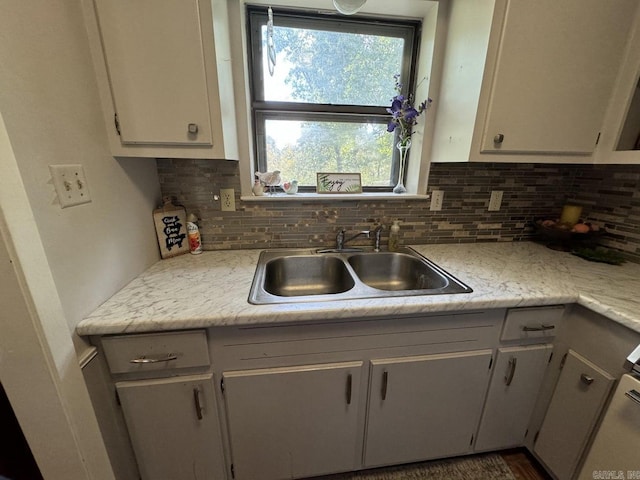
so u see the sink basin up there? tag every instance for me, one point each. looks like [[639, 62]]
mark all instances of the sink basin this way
[[301, 275], [396, 271], [306, 275]]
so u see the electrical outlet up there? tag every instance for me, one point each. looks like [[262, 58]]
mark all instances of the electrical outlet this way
[[437, 196], [70, 184], [228, 200], [495, 201]]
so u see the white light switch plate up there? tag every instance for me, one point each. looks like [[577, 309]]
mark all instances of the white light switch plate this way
[[70, 184]]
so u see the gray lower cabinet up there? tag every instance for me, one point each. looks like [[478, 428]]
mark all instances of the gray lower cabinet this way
[[518, 374], [173, 426], [575, 407], [424, 406], [292, 422]]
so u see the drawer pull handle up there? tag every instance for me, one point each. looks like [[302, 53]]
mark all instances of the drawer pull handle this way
[[161, 358], [385, 381], [196, 401], [586, 379], [541, 328], [508, 378], [633, 395], [349, 382]]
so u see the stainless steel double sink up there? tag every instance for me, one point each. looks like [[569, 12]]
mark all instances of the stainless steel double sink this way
[[303, 275]]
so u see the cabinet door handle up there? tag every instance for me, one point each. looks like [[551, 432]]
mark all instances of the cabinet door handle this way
[[157, 359], [586, 379], [541, 328], [633, 395], [385, 380], [349, 382], [499, 138], [508, 378], [196, 401], [192, 128]]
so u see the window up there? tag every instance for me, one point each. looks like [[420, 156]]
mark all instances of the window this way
[[324, 107]]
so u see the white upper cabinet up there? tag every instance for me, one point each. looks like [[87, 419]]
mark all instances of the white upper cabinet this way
[[536, 77], [620, 139], [163, 71]]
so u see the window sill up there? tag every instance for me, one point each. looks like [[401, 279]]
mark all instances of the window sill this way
[[328, 197]]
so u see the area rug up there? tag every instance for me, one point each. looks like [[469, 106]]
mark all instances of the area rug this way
[[476, 467]]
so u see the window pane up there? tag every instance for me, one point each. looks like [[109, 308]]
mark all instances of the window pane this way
[[299, 149], [328, 67]]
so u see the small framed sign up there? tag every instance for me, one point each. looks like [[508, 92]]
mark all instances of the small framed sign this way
[[338, 183]]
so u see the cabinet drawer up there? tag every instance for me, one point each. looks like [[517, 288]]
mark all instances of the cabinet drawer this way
[[158, 351], [534, 322]]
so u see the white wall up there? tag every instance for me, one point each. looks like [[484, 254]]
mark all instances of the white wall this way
[[50, 105]]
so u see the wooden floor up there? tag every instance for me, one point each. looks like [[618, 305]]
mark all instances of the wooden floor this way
[[523, 465]]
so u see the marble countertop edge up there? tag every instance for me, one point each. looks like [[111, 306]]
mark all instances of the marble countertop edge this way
[[211, 290]]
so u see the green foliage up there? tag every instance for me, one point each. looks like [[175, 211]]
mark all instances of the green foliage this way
[[337, 68], [340, 68], [335, 147]]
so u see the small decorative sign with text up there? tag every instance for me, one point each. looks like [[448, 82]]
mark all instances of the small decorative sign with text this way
[[171, 227], [338, 183]]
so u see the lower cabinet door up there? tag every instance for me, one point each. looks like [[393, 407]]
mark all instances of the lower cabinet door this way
[[293, 422], [516, 380], [577, 402], [174, 428], [424, 407]]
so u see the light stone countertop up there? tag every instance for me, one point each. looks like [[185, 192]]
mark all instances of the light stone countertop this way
[[211, 289]]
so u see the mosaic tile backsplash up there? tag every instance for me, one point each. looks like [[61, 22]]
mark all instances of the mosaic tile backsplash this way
[[610, 195]]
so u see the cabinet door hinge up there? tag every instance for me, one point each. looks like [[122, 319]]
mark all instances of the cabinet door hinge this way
[[233, 471], [222, 385], [117, 398], [598, 139], [116, 122], [564, 359]]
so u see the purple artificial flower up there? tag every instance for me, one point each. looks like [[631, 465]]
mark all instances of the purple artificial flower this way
[[403, 114]]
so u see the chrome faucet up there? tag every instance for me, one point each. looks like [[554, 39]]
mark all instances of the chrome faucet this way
[[341, 241]]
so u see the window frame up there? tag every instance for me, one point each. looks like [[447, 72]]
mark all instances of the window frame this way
[[262, 110]]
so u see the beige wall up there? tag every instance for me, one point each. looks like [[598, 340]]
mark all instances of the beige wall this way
[[68, 261], [50, 105], [38, 366]]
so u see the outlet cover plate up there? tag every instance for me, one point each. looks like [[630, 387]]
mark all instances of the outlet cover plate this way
[[227, 200], [70, 184], [437, 197], [495, 201]]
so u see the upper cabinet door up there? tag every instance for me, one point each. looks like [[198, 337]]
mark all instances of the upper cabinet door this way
[[554, 73], [163, 71], [154, 53]]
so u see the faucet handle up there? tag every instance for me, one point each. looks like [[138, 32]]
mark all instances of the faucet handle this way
[[340, 239], [378, 234]]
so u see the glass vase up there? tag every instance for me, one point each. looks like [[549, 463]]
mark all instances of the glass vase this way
[[403, 148]]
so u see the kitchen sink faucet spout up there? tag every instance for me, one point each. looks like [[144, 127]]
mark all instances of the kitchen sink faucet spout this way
[[341, 241]]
